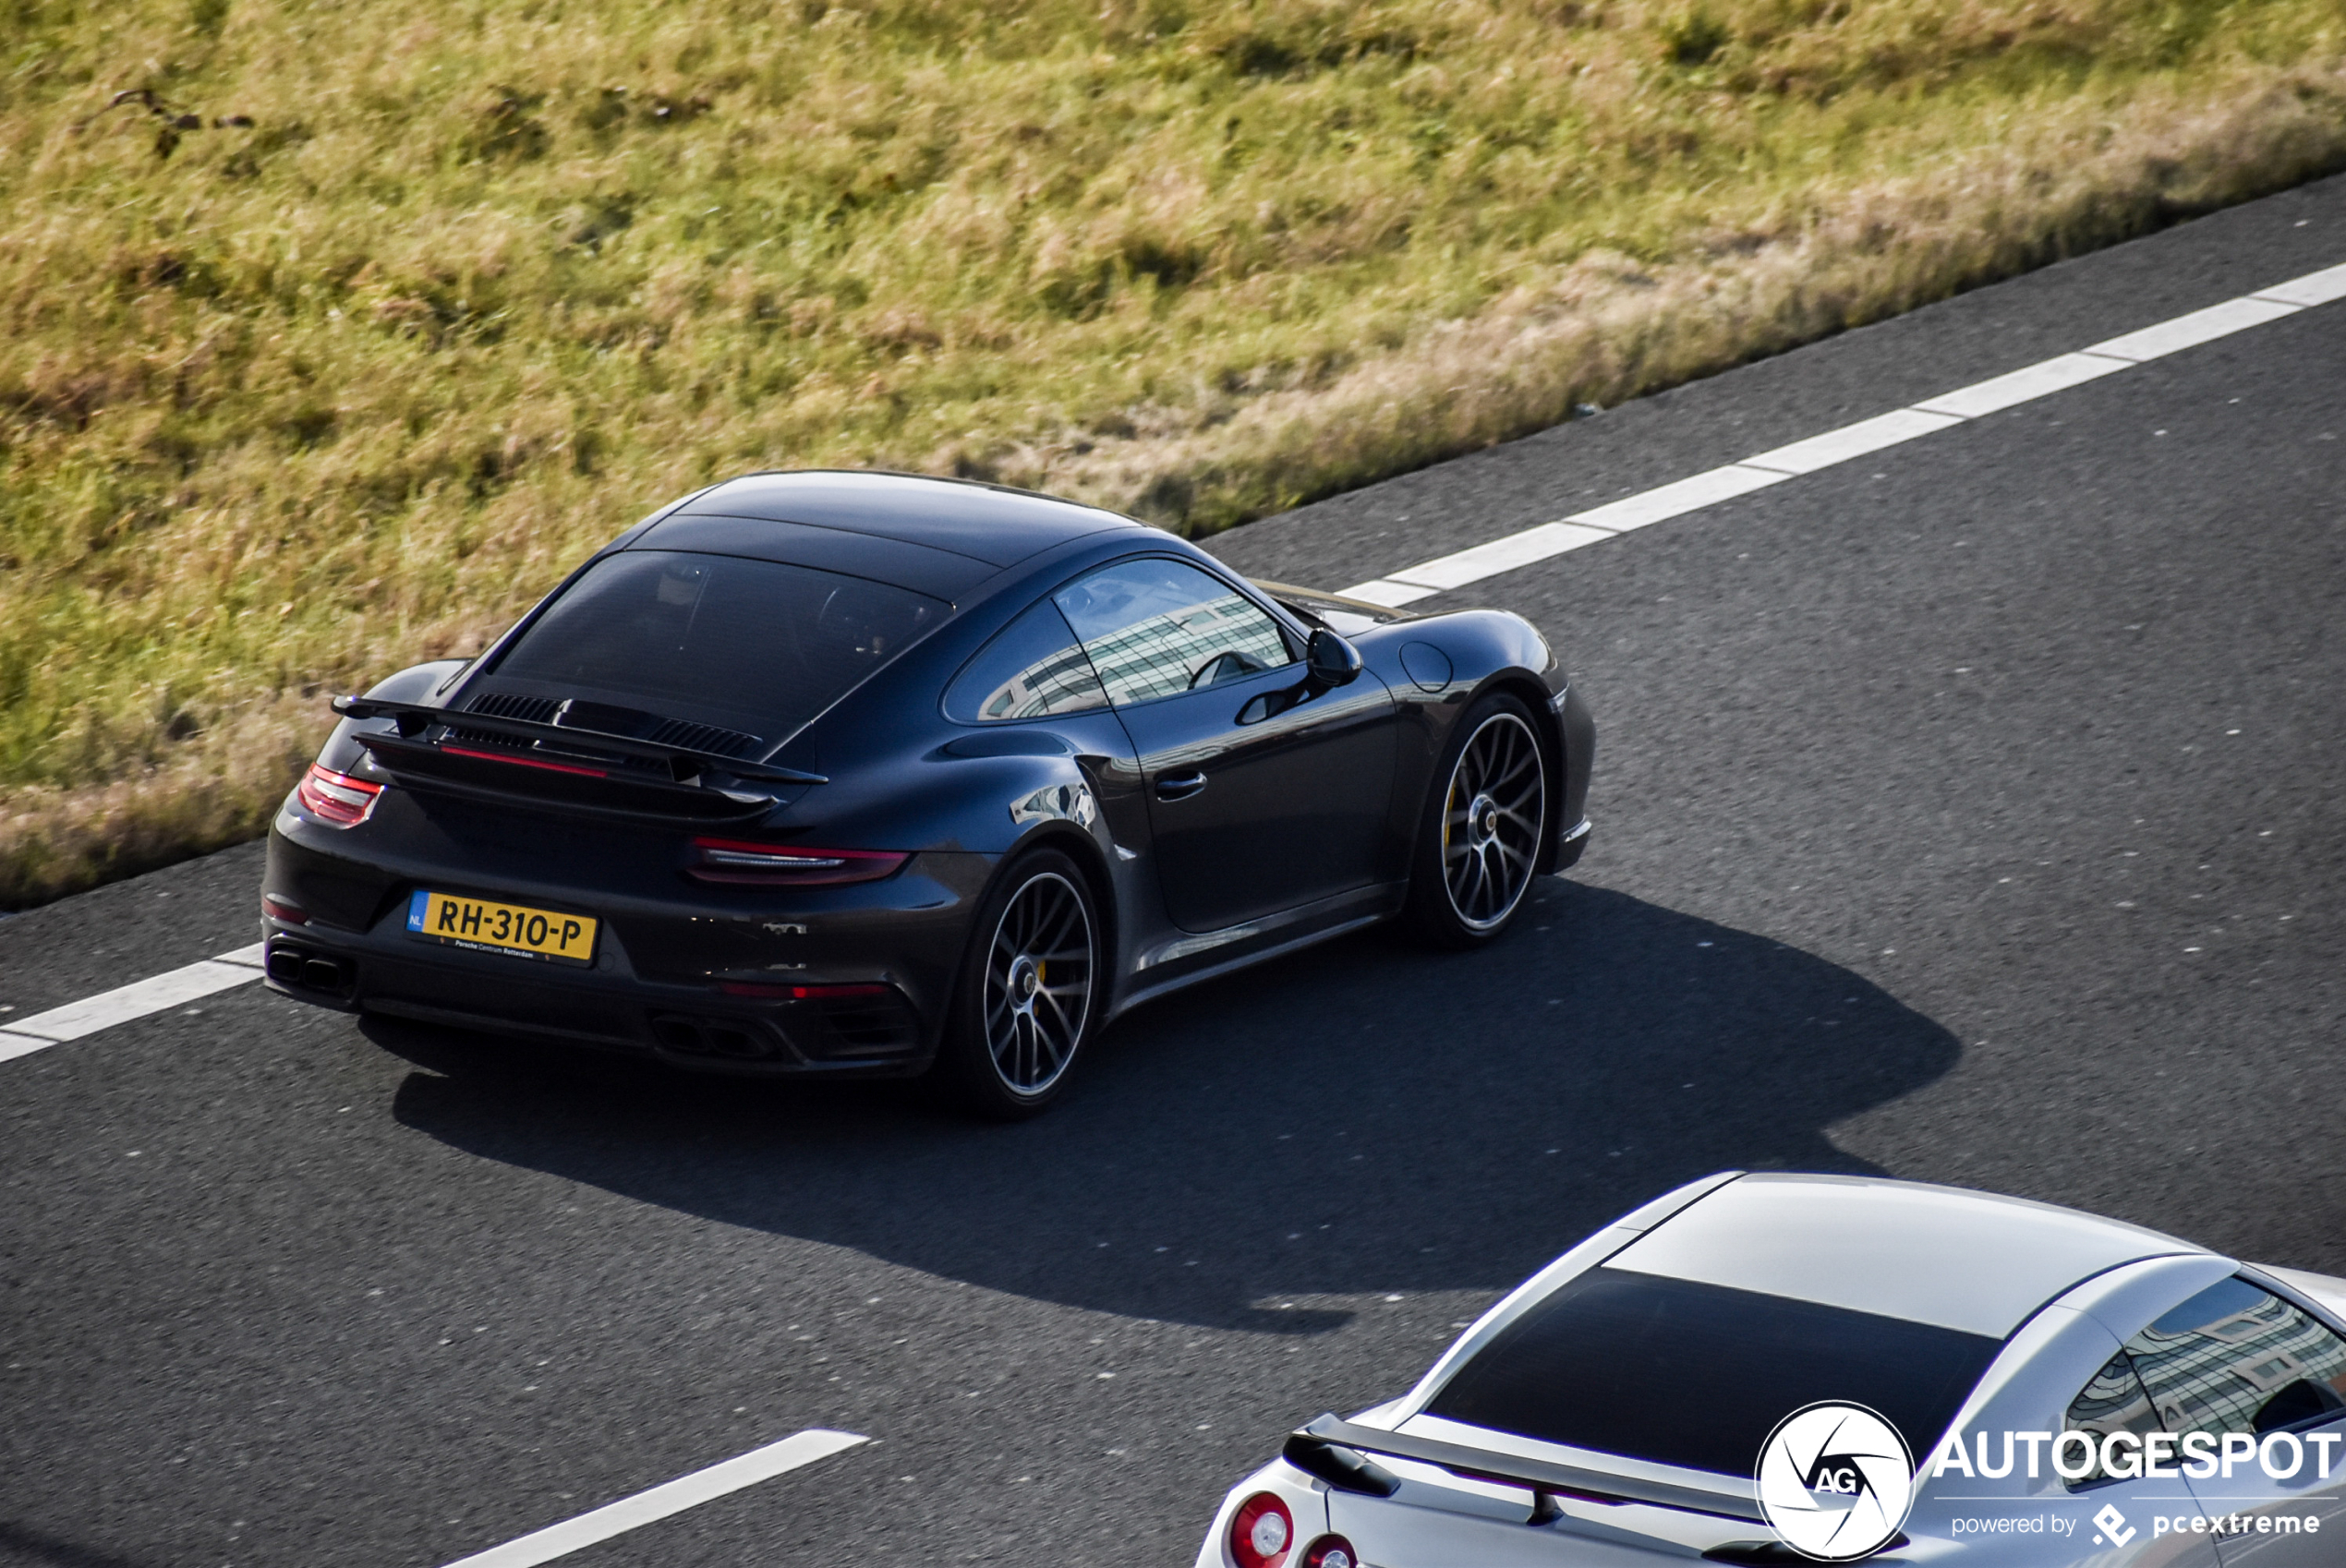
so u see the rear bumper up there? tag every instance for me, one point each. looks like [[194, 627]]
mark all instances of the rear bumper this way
[[864, 1035], [842, 981], [1576, 737]]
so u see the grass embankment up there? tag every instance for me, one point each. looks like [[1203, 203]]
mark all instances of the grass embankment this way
[[328, 346]]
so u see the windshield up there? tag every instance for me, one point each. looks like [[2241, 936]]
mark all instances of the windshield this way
[[1699, 1375], [752, 645]]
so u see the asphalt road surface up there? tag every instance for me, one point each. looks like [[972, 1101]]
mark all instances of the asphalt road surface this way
[[1968, 812]]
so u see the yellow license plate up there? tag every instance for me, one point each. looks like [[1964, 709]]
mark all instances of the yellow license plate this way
[[501, 928]]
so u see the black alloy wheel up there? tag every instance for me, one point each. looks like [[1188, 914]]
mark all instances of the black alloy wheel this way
[[1485, 822], [1028, 993]]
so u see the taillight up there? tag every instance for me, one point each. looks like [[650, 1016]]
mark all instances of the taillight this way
[[1261, 1531], [336, 799], [1330, 1552], [798, 993], [285, 910], [729, 860]]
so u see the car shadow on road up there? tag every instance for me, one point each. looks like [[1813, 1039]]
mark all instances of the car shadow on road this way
[[1366, 1117]]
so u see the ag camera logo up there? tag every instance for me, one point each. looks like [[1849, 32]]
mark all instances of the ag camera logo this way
[[1835, 1481]]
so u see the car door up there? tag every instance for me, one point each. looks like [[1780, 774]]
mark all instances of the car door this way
[[2260, 1371], [1262, 793]]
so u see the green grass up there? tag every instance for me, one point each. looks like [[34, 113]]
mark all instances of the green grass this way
[[330, 334]]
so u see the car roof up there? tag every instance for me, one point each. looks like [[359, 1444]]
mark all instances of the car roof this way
[[1969, 1261], [936, 535]]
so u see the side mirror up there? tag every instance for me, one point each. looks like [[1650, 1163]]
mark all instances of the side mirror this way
[[1331, 660]]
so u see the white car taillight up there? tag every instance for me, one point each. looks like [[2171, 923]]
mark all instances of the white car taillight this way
[[1261, 1531], [336, 799]]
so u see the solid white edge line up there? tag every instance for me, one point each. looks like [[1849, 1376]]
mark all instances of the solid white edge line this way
[[2313, 288], [673, 1496], [1386, 592], [1501, 555], [2189, 332], [13, 1045], [1853, 440], [133, 1001], [252, 956], [2025, 385], [2014, 387], [1689, 494]]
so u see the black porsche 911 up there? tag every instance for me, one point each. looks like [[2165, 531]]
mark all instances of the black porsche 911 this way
[[867, 773]]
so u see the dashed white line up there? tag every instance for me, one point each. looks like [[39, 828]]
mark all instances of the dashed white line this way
[[1931, 415], [674, 1496], [124, 1003]]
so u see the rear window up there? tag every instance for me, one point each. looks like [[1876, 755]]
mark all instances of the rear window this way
[[753, 645], [1699, 1375]]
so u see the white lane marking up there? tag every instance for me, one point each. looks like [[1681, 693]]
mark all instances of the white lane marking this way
[[2062, 371], [1689, 494], [2190, 331], [252, 956], [2025, 384], [133, 1001], [1852, 440], [1385, 591], [13, 1045], [2313, 288], [1501, 555], [685, 1492]]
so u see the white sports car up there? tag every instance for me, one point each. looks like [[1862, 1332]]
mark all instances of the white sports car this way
[[1769, 1369]]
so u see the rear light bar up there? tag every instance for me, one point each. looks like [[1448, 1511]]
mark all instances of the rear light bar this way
[[797, 992], [784, 865], [336, 799], [538, 763]]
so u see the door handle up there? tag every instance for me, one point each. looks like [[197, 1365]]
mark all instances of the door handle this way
[[1180, 785]]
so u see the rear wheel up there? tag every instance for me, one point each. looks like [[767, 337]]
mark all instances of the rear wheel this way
[[1486, 819], [1027, 1000]]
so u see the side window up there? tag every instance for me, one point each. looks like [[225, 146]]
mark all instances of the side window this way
[[1034, 667], [2238, 1359], [1157, 628], [2114, 1401]]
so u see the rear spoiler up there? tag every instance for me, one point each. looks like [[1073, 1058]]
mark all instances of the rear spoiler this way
[[584, 769], [684, 761], [1334, 1450]]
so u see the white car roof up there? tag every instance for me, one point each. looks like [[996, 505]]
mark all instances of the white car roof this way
[[1967, 1260]]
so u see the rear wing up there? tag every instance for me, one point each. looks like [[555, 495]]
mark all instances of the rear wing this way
[[572, 764], [1334, 1450], [685, 762]]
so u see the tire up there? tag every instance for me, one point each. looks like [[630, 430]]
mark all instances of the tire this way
[[1028, 999], [1484, 822]]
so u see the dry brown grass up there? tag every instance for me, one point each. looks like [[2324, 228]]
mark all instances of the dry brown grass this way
[[1608, 329], [286, 404]]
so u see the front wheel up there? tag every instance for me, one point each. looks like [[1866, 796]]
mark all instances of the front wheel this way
[[1486, 819], [1028, 996]]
